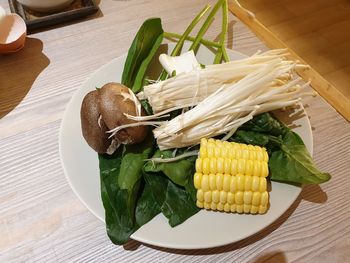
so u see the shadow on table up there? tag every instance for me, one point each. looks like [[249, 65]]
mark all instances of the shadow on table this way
[[311, 193], [23, 68]]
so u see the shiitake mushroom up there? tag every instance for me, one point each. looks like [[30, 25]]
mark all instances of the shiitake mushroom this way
[[102, 110]]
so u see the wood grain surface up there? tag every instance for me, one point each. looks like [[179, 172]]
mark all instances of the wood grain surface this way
[[314, 34], [41, 220]]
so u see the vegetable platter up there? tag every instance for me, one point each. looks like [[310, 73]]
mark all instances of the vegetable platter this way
[[191, 152]]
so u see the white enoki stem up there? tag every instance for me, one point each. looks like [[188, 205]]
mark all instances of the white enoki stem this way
[[136, 102], [173, 159], [121, 127]]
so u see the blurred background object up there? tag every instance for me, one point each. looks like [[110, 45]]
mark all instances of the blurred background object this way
[[45, 5], [13, 32], [315, 31]]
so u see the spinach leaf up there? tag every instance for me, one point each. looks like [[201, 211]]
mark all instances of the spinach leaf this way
[[266, 123], [127, 201], [180, 172], [292, 163], [147, 207], [130, 174], [113, 199], [271, 143], [145, 45], [175, 202]]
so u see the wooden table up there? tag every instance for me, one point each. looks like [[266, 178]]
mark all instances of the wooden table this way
[[41, 220]]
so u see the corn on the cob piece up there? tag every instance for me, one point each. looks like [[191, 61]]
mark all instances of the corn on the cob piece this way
[[231, 177]]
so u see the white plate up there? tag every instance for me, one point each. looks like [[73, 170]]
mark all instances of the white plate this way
[[205, 229]]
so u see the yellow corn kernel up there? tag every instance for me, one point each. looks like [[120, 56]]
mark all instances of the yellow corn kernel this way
[[262, 209], [220, 206], [200, 204], [247, 197], [264, 169], [204, 143], [233, 166], [203, 152], [258, 148], [219, 181], [255, 183], [251, 148], [266, 156], [217, 151], [254, 209], [227, 166], [264, 198], [199, 165], [240, 182], [243, 146], [220, 165], [245, 154], [213, 206], [239, 198], [241, 166], [227, 207], [200, 195], [197, 179], [226, 182], [226, 144], [205, 166], [232, 153], [256, 169], [249, 167], [252, 155], [205, 183], [238, 153], [212, 182], [246, 208], [256, 198], [260, 156], [230, 198], [233, 184], [248, 183], [211, 141], [233, 208], [224, 150], [215, 196], [207, 205], [223, 197], [212, 165], [207, 197], [262, 184], [239, 209], [210, 150]]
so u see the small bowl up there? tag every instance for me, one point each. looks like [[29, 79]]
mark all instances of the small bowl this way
[[45, 5], [13, 31]]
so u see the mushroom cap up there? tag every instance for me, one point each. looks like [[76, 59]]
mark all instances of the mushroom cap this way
[[94, 130], [115, 101]]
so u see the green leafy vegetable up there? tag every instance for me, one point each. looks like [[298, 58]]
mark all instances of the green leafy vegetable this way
[[121, 182], [180, 172], [290, 162], [266, 123], [143, 48], [175, 202], [293, 163]]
